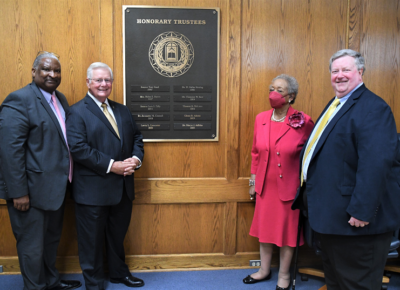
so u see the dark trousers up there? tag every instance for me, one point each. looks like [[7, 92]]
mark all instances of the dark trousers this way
[[38, 233], [95, 226], [354, 262]]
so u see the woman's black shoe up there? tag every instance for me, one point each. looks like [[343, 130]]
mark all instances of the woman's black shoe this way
[[287, 288], [251, 280]]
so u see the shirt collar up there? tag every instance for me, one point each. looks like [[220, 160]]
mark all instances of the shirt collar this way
[[345, 98], [47, 95], [97, 101]]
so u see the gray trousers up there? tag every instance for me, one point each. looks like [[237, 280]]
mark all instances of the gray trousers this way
[[38, 234]]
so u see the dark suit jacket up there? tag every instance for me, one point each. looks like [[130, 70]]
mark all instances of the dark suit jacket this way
[[288, 145], [34, 155], [93, 143], [354, 171]]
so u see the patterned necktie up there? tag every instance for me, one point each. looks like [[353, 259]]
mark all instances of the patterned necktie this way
[[110, 118], [61, 119], [321, 126]]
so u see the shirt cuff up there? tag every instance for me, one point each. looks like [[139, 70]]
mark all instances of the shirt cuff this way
[[109, 166], [140, 161]]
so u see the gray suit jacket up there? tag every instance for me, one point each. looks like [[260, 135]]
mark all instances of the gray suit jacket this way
[[33, 153]]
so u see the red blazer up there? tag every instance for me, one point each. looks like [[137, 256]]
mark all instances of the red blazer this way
[[287, 148]]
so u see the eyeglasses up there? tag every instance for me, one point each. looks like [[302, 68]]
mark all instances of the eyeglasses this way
[[44, 52], [100, 81]]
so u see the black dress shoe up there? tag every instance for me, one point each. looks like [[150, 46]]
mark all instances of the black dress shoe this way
[[251, 280], [67, 285], [129, 281]]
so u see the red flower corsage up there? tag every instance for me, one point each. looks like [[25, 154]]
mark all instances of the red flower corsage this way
[[296, 120]]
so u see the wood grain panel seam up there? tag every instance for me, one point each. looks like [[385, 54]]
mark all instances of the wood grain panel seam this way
[[348, 24], [233, 85]]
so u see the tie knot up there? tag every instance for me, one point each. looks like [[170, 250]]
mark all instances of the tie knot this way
[[335, 103], [104, 106]]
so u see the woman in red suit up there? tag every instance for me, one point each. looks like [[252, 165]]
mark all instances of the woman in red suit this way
[[279, 135]]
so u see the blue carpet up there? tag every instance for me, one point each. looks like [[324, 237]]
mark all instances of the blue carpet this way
[[193, 280]]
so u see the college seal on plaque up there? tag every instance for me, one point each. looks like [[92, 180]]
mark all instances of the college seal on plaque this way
[[171, 54]]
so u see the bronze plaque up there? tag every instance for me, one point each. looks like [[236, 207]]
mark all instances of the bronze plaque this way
[[171, 71]]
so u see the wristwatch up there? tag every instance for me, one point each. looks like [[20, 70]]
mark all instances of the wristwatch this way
[[252, 182]]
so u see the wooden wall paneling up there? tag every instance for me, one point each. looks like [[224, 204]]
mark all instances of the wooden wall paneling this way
[[230, 228], [20, 41], [175, 229], [8, 244], [68, 246], [68, 28], [296, 38], [250, 78], [177, 262], [245, 242], [380, 46], [188, 262], [153, 262], [232, 94], [355, 24], [79, 44], [183, 190], [71, 29], [107, 38]]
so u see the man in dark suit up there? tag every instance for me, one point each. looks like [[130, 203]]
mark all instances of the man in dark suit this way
[[35, 171], [107, 147], [350, 177]]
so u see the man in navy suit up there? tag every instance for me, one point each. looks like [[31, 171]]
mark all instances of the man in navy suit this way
[[107, 148], [351, 177], [35, 170]]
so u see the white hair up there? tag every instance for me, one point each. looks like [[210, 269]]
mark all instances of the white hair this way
[[97, 65]]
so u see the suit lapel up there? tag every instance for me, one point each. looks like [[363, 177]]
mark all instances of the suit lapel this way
[[267, 127], [92, 107], [349, 103], [285, 129], [49, 110]]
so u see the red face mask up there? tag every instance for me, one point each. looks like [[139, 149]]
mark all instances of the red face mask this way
[[276, 100]]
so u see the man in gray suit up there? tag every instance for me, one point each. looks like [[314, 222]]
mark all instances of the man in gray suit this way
[[35, 170], [107, 148]]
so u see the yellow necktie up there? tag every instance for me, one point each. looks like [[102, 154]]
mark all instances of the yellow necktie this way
[[110, 118], [321, 126]]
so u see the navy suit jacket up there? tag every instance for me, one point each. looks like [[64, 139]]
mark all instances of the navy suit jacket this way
[[354, 171], [93, 143], [33, 152]]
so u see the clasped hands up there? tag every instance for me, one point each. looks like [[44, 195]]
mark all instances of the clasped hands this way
[[126, 167]]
